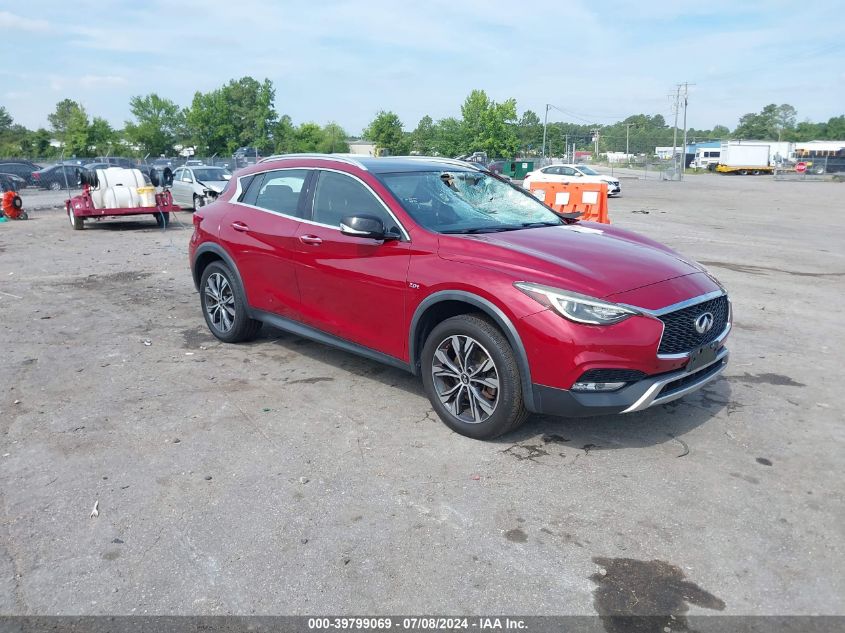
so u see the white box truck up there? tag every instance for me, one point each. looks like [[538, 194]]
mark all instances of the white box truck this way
[[738, 157]]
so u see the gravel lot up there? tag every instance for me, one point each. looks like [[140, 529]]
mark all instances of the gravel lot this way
[[283, 477]]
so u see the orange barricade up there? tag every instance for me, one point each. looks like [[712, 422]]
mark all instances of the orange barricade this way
[[587, 198]]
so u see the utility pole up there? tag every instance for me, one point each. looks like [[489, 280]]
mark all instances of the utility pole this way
[[675, 130], [627, 137], [545, 126], [596, 142], [684, 159]]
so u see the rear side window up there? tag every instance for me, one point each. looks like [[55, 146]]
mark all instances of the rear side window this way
[[277, 191]]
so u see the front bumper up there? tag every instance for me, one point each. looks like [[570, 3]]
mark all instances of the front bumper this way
[[638, 396]]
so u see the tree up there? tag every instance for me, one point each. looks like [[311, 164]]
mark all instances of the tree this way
[[70, 124], [530, 131], [241, 113], [158, 124], [101, 136], [386, 132], [423, 137], [449, 137], [5, 120], [772, 122], [334, 139], [283, 135], [307, 138], [720, 131]]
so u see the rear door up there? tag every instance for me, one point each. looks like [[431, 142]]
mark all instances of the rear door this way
[[353, 287], [260, 230], [177, 189]]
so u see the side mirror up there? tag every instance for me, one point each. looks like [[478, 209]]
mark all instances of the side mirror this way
[[365, 226]]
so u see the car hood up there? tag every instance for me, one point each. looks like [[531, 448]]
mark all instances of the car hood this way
[[216, 185], [593, 259]]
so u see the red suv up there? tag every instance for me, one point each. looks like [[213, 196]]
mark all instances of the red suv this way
[[447, 271]]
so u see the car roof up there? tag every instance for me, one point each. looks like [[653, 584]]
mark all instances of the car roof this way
[[386, 164]]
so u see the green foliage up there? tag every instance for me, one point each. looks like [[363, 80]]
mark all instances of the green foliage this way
[[773, 122], [101, 137], [159, 124], [423, 137], [334, 139], [241, 113], [386, 132]]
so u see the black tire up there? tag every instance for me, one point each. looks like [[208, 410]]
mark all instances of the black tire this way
[[77, 224], [55, 186], [743, 172], [242, 327], [508, 409], [162, 219], [199, 202]]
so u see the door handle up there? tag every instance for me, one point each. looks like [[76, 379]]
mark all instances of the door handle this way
[[240, 226], [310, 239]]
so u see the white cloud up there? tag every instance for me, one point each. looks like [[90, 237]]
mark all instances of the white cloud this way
[[17, 22]]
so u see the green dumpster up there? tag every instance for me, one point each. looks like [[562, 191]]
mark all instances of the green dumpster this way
[[517, 169]]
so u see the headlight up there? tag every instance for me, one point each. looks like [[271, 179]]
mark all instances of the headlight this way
[[576, 307]]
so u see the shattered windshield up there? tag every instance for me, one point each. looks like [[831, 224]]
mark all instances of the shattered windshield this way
[[466, 202]]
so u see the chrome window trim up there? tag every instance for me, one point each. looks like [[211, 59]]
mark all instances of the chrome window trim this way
[[446, 161], [234, 200], [342, 158], [406, 237]]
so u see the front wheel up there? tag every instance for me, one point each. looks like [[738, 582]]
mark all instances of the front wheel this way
[[199, 202], [224, 305], [471, 377]]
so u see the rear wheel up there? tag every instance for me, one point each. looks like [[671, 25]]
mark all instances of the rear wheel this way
[[55, 185], [471, 377], [77, 224], [743, 172], [224, 305]]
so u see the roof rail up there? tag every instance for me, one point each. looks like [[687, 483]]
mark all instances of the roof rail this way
[[342, 158], [446, 161]]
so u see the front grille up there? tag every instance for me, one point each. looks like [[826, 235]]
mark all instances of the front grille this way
[[679, 335], [611, 375], [683, 381]]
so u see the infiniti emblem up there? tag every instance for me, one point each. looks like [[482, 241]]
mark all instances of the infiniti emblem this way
[[704, 323]]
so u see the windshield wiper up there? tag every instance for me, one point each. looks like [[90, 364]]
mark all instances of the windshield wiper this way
[[482, 229], [532, 225]]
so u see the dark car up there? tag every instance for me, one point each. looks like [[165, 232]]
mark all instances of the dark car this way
[[436, 267], [57, 177], [117, 161], [10, 182], [22, 161], [21, 170]]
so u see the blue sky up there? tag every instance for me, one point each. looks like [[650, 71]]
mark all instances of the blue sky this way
[[344, 60]]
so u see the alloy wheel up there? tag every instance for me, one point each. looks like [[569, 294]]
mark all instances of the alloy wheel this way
[[465, 378], [219, 302]]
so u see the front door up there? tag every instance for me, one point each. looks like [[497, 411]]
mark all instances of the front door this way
[[260, 232], [352, 287]]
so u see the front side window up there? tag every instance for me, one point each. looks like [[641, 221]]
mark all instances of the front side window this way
[[338, 195], [466, 202], [588, 172]]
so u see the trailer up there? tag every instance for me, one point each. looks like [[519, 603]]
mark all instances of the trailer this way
[[737, 157], [118, 192]]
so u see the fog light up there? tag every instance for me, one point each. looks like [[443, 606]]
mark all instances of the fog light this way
[[597, 386]]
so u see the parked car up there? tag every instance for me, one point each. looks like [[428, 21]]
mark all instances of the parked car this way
[[22, 161], [21, 170], [57, 177], [433, 266], [10, 182], [94, 166], [572, 173], [117, 161], [194, 187]]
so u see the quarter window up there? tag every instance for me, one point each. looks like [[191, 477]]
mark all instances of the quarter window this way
[[338, 195]]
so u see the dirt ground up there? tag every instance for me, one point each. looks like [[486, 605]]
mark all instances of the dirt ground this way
[[284, 477]]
